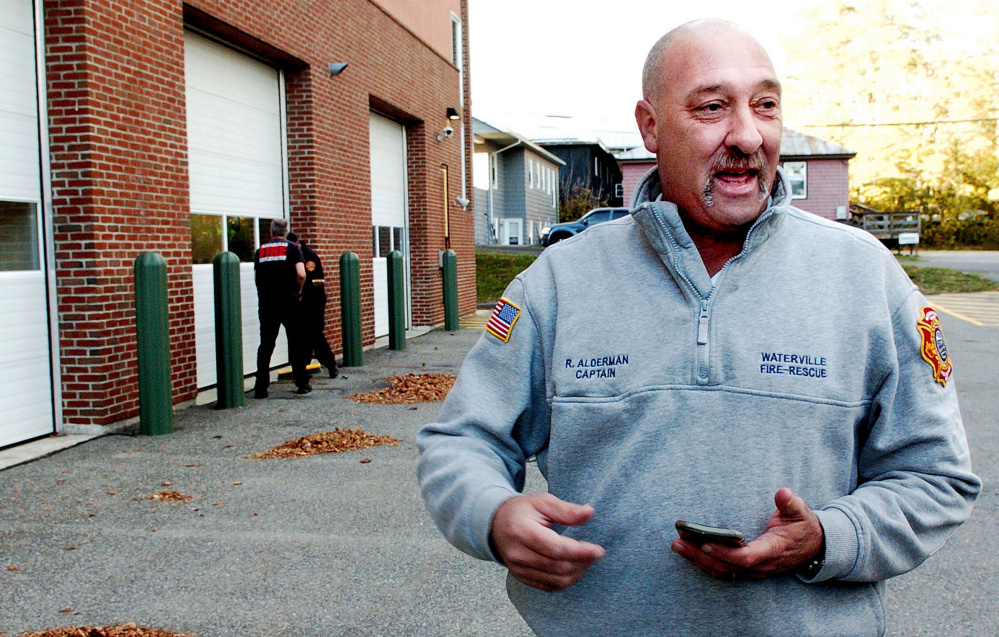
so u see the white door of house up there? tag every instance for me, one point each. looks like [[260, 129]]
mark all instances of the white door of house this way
[[26, 362], [511, 232], [236, 142], [389, 208]]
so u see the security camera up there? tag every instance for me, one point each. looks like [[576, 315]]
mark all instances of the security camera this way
[[448, 131]]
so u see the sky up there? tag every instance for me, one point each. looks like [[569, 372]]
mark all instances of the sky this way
[[541, 66], [583, 59]]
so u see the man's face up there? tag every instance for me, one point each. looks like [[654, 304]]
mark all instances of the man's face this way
[[715, 127]]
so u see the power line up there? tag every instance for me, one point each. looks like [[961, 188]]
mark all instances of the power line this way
[[933, 123]]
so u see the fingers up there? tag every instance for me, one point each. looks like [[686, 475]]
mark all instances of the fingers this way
[[789, 505], [714, 559], [535, 554], [793, 536], [562, 512]]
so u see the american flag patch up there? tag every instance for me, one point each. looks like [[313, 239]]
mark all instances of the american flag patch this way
[[504, 315]]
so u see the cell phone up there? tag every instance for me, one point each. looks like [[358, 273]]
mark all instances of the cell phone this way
[[699, 534]]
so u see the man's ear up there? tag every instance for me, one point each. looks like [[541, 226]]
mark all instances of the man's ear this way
[[645, 115]]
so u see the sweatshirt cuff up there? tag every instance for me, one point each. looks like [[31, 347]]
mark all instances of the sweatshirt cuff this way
[[481, 519], [842, 544]]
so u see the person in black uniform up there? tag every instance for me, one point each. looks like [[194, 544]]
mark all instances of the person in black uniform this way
[[279, 272], [314, 310]]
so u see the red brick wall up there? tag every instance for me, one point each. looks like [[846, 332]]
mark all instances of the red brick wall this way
[[828, 186], [120, 186]]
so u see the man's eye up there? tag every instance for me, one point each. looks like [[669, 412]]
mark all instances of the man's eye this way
[[714, 107]]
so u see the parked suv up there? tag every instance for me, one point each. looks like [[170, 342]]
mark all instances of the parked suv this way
[[570, 229]]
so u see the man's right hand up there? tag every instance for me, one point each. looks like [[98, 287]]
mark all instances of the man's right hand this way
[[535, 554]]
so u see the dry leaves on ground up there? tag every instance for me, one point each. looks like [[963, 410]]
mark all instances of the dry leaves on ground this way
[[169, 496], [410, 388], [336, 441], [124, 630]]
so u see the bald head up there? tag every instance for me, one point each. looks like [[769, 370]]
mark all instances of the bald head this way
[[660, 61]]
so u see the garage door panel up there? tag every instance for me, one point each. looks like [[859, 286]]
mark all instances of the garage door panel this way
[[204, 324], [236, 164], [388, 205], [25, 369], [26, 391], [234, 131], [221, 188], [20, 178]]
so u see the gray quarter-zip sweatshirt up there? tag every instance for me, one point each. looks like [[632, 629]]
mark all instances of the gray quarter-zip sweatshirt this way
[[653, 395]]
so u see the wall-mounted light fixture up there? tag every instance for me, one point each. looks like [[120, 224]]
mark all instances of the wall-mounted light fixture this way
[[461, 201], [452, 115], [336, 68]]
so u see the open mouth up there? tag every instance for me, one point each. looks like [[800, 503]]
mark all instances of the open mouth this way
[[736, 177]]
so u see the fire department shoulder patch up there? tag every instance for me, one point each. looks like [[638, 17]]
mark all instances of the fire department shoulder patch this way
[[933, 348], [310, 266]]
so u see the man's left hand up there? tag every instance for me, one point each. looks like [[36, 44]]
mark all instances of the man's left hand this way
[[793, 536]]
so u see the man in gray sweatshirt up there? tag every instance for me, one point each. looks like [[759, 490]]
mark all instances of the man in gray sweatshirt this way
[[773, 372]]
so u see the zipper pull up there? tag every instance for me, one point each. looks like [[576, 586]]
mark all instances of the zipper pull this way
[[702, 325]]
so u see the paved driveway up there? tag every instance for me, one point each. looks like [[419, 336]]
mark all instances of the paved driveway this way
[[982, 262], [977, 308]]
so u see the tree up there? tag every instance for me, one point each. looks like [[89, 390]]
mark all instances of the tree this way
[[912, 87]]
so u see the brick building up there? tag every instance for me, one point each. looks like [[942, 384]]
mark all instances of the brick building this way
[[184, 128]]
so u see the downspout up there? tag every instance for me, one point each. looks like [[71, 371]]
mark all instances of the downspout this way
[[492, 158]]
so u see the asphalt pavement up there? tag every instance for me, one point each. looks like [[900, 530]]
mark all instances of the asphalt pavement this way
[[984, 262], [330, 545]]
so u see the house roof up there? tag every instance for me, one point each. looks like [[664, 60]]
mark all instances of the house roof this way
[[793, 144], [488, 132], [796, 144]]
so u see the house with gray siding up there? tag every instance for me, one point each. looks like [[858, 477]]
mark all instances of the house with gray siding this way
[[515, 187], [817, 168]]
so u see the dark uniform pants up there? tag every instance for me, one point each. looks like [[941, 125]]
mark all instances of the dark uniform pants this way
[[272, 316], [314, 319]]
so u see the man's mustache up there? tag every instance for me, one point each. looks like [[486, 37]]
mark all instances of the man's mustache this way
[[735, 162]]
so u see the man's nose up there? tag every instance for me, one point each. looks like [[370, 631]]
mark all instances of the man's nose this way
[[744, 133]]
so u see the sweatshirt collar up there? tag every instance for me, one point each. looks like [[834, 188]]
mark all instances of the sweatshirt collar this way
[[660, 221]]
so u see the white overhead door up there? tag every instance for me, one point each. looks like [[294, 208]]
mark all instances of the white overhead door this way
[[389, 207], [236, 151], [26, 399]]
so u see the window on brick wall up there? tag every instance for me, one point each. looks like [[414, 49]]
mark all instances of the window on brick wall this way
[[797, 173], [239, 236], [207, 238], [18, 236]]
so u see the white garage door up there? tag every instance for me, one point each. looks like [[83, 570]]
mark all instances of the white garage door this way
[[26, 399], [389, 207], [235, 137]]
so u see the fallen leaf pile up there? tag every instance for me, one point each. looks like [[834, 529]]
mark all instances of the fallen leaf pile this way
[[124, 630], [335, 441], [169, 496], [410, 388]]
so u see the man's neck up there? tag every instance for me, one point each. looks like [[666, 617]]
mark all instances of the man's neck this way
[[716, 248]]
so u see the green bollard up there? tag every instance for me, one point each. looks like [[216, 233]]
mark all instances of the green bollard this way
[[152, 333], [450, 290], [350, 309], [228, 332], [396, 301]]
